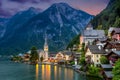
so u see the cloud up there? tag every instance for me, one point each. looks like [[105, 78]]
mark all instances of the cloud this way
[[0, 3], [32, 1], [4, 13], [10, 7], [20, 0]]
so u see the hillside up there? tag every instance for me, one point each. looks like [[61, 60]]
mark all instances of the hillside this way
[[109, 17]]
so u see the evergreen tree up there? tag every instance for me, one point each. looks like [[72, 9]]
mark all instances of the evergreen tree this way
[[116, 71], [41, 58], [34, 55]]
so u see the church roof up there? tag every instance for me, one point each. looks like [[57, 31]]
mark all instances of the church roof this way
[[94, 33]]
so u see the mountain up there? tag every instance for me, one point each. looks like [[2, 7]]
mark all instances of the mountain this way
[[3, 21], [109, 17], [60, 22], [18, 20]]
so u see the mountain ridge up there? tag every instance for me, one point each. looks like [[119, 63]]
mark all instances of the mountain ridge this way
[[61, 23]]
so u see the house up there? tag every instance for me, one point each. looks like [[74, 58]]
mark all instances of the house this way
[[26, 57], [114, 33], [113, 56], [108, 75], [89, 35], [112, 45], [107, 71], [93, 54], [75, 55], [52, 58], [65, 55]]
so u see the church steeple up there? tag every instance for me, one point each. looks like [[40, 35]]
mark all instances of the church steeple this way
[[46, 47], [45, 44]]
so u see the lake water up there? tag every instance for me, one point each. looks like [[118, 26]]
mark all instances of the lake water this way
[[20, 71]]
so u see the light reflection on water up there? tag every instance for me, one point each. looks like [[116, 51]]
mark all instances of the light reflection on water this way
[[50, 72], [37, 69], [21, 71]]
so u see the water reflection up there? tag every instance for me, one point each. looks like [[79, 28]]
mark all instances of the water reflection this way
[[18, 71], [37, 68], [50, 72]]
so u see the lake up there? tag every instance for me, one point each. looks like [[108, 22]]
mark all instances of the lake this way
[[20, 71]]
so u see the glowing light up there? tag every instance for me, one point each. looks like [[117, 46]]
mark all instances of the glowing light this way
[[43, 72], [48, 70], [55, 72], [37, 72]]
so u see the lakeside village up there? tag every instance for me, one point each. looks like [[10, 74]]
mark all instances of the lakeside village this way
[[97, 55]]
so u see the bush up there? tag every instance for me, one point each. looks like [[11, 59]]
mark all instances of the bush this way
[[104, 60]]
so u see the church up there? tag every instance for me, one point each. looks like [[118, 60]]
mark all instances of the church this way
[[44, 53]]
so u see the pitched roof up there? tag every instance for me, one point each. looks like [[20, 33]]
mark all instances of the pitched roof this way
[[96, 49], [117, 52], [108, 74], [67, 52], [106, 65], [117, 30], [94, 33], [111, 29]]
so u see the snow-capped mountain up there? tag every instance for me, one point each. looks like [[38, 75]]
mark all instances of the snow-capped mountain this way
[[60, 21]]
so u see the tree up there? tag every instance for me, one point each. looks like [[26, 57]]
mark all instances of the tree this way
[[34, 55], [104, 60], [93, 70], [99, 27], [74, 41], [82, 60], [116, 71], [41, 58]]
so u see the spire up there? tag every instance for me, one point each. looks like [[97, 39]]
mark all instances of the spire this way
[[45, 44]]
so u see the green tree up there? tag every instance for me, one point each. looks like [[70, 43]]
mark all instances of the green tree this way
[[117, 22], [116, 71], [99, 27], [34, 55], [104, 60], [93, 70], [83, 46], [74, 41], [41, 58], [82, 60]]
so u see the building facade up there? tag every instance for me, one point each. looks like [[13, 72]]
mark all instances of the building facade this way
[[89, 35], [93, 53]]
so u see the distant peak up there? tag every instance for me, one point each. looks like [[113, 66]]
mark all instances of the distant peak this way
[[31, 8]]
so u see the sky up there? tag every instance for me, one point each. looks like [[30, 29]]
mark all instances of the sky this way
[[11, 7]]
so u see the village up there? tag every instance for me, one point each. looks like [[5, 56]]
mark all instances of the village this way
[[96, 49]]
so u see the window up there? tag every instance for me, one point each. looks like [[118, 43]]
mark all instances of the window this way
[[96, 55], [97, 60]]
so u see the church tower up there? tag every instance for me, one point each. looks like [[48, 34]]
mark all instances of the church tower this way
[[46, 48]]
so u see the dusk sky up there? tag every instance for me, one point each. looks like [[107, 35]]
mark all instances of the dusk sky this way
[[10, 7]]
